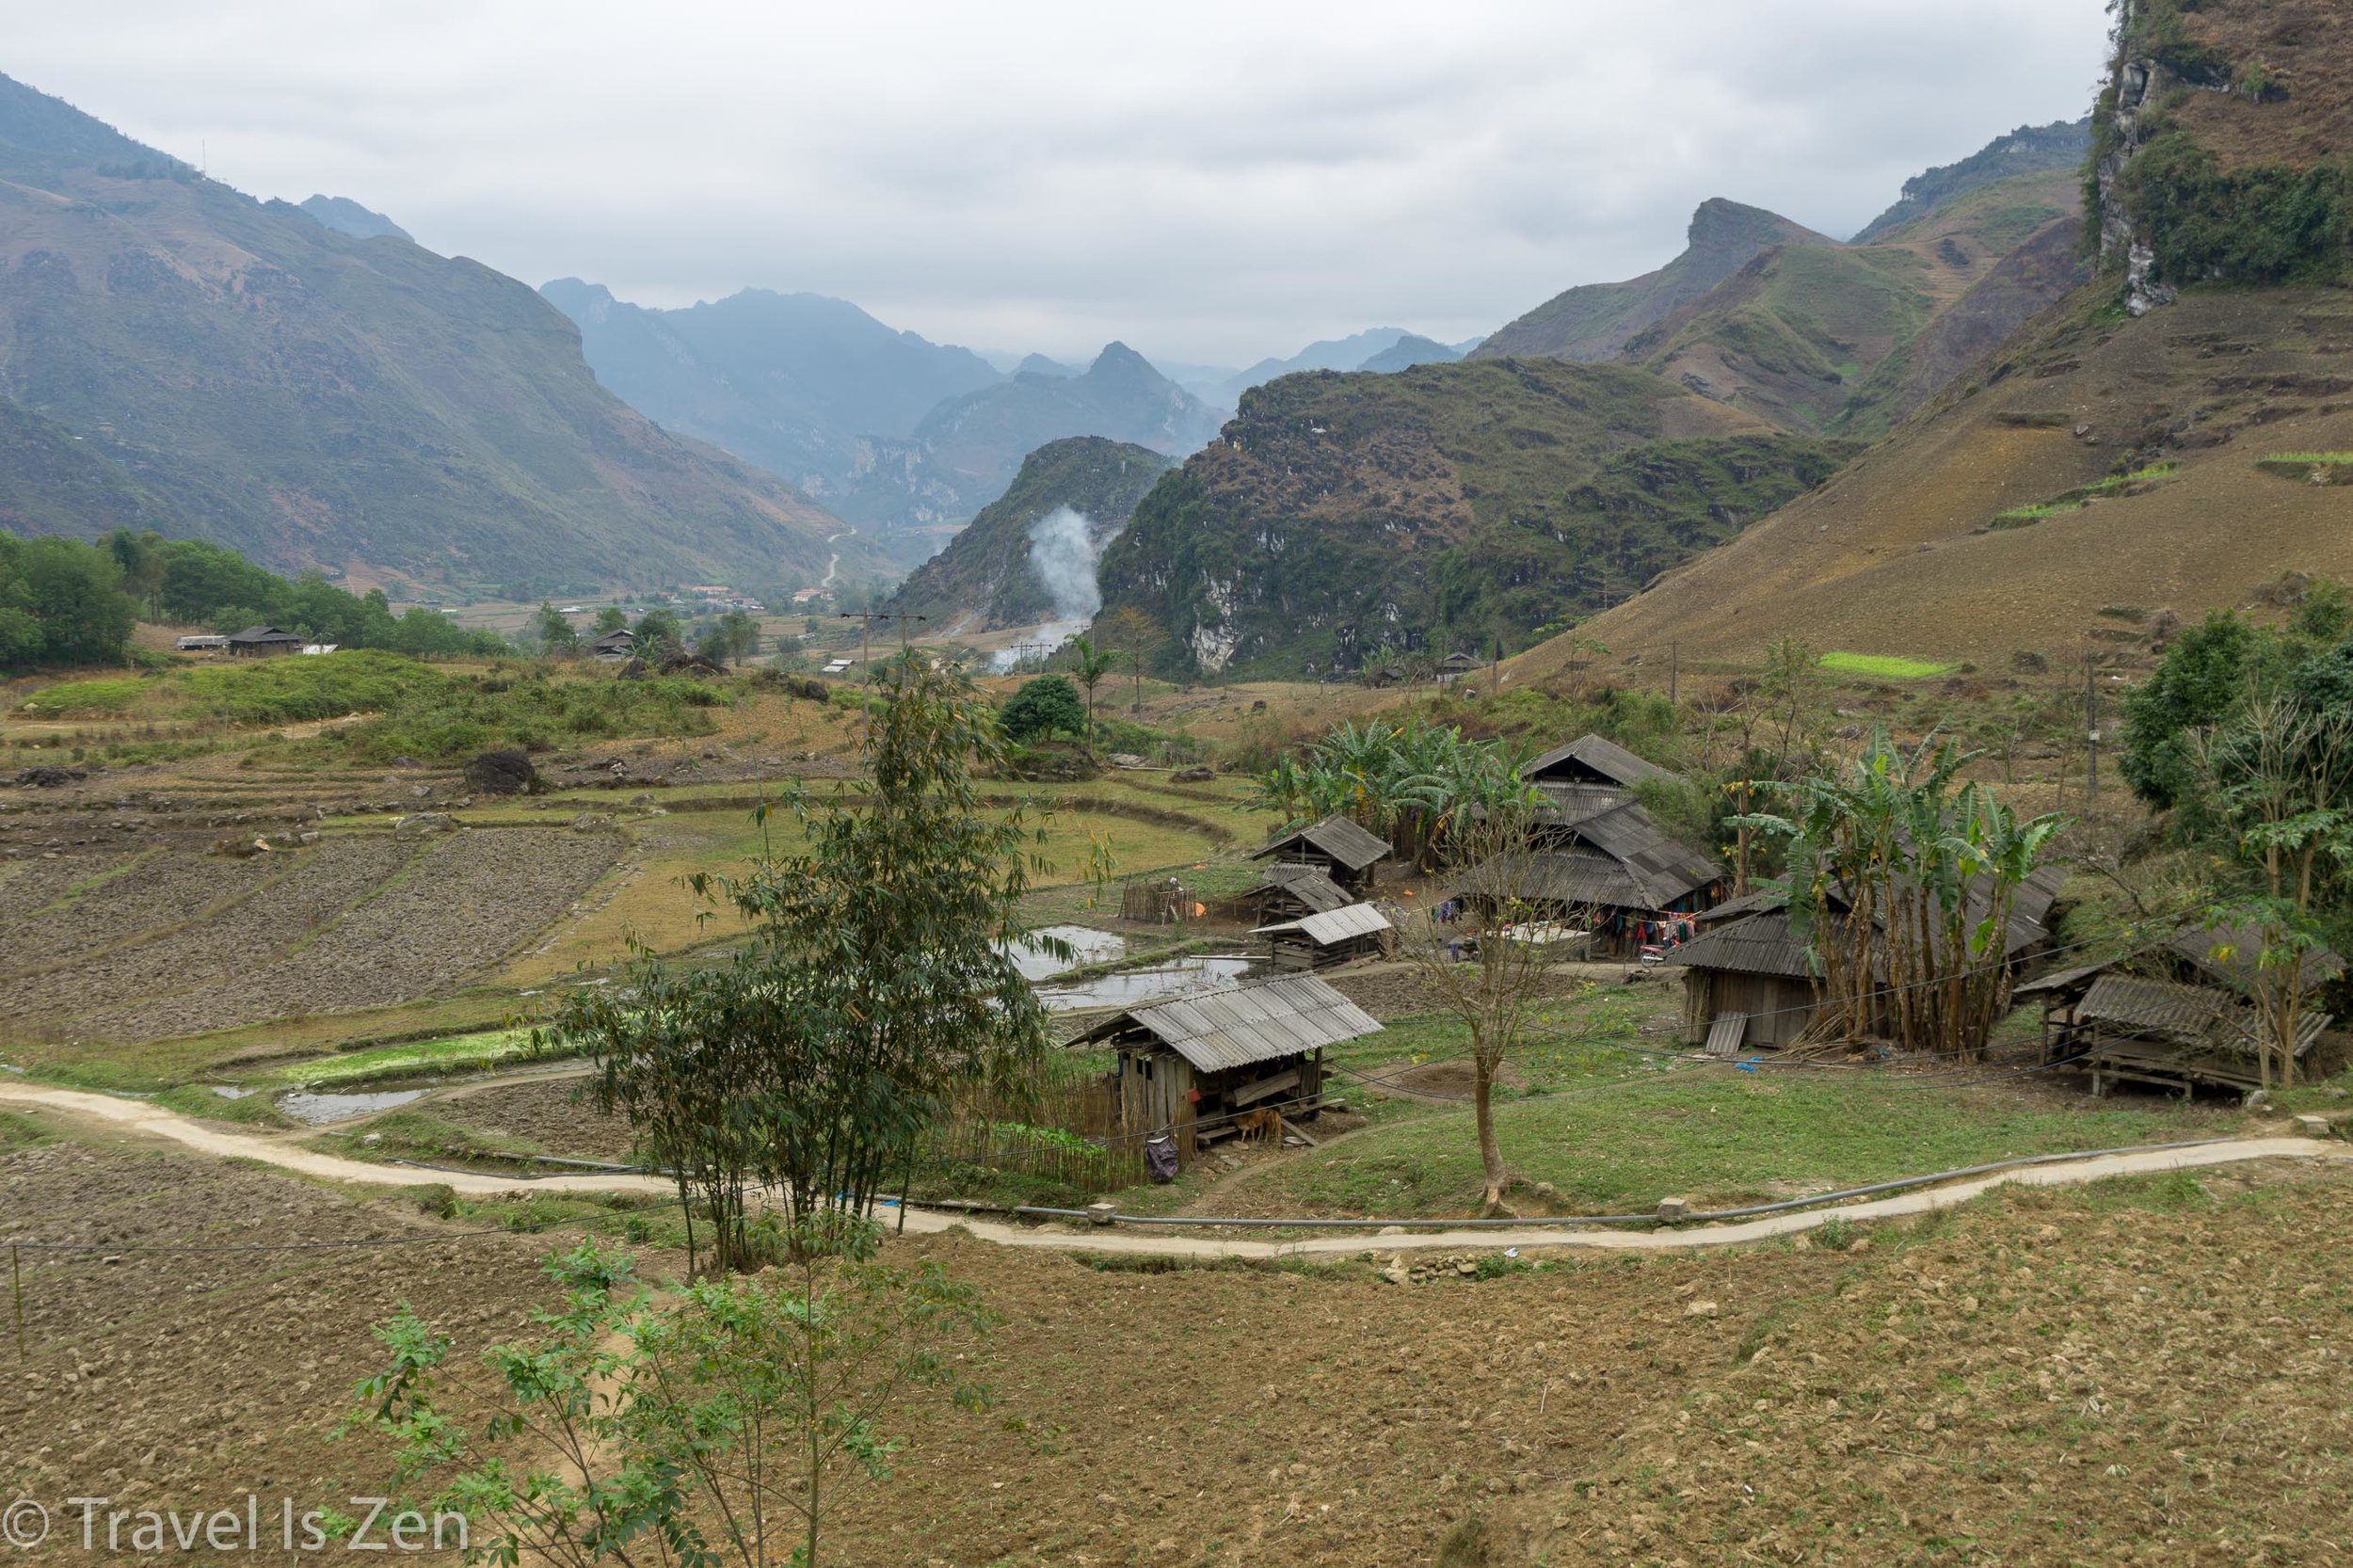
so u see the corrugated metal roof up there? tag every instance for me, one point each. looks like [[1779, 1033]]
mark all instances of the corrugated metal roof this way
[[1665, 869], [1761, 944], [1590, 756], [1328, 926], [2063, 980], [1570, 801], [1307, 884], [1579, 877], [1335, 835], [2184, 1014], [1261, 1022], [2243, 966]]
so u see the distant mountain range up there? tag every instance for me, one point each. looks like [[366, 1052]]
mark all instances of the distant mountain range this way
[[180, 355], [1604, 437]]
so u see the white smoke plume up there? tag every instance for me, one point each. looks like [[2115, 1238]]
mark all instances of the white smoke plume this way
[[1063, 553]]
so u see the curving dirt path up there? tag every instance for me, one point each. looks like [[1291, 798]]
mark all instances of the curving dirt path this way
[[140, 1118]]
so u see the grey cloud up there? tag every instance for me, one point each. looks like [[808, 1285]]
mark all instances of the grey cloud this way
[[1205, 181]]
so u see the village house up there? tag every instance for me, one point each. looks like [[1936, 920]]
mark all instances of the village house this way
[[1456, 666], [264, 641], [1749, 980], [2174, 1013], [1337, 846], [1187, 1068], [616, 647], [1589, 776], [1320, 940], [200, 643]]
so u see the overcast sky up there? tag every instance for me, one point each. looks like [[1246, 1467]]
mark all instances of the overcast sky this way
[[1207, 181]]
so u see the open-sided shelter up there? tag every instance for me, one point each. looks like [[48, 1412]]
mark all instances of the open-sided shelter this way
[[2174, 1013], [1190, 1065], [1337, 846], [1334, 936]]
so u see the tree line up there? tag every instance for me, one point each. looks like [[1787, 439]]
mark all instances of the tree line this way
[[67, 602]]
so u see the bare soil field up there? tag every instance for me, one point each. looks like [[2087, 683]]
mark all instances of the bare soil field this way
[[358, 920], [2143, 1372]]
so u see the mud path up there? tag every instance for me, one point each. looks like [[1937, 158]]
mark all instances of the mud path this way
[[142, 1119]]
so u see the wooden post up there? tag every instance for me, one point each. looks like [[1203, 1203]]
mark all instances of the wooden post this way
[[2091, 734]]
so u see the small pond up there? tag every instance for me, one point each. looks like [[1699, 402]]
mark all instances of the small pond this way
[[1186, 977], [1087, 946], [319, 1109]]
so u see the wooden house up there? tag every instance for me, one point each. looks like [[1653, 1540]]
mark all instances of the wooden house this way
[[1748, 982], [1335, 846], [1190, 1065], [1319, 941], [1588, 776], [263, 641], [1290, 890], [1458, 665], [1617, 873], [2174, 1013]]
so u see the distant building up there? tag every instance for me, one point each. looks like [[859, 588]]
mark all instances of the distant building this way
[[202, 643], [261, 641], [1338, 847], [1320, 940], [616, 647]]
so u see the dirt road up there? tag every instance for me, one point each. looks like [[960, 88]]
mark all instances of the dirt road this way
[[140, 1118]]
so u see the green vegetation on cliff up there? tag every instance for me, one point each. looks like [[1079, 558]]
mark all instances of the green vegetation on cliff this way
[[1441, 507]]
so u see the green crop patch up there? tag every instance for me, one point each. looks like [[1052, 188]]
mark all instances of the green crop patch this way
[[1887, 667]]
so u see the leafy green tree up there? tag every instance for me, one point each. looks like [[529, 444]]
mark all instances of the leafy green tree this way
[[2207, 673], [557, 634], [1089, 664], [660, 634], [610, 619], [72, 591], [718, 1427], [732, 639], [2279, 777], [876, 981], [1045, 705]]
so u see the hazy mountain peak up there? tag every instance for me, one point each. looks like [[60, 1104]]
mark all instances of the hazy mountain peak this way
[[1038, 364], [347, 216]]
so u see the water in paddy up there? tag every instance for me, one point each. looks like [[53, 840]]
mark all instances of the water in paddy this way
[[1186, 977], [1087, 946], [319, 1109]]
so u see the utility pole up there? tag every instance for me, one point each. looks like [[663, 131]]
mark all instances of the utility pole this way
[[866, 619], [2091, 734], [1021, 652]]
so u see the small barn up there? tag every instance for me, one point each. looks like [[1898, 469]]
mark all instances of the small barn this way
[[2174, 1013], [1334, 936], [1458, 665], [616, 647], [1188, 1067], [1338, 847], [263, 641], [1290, 891]]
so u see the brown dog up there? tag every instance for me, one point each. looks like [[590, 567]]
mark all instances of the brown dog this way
[[1264, 1127]]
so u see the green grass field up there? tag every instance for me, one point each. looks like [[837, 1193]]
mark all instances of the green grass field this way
[[1718, 1136], [1887, 667]]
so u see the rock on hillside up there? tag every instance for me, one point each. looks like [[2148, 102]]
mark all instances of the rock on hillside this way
[[983, 581], [798, 383], [1595, 320], [966, 452], [314, 399], [1445, 505]]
